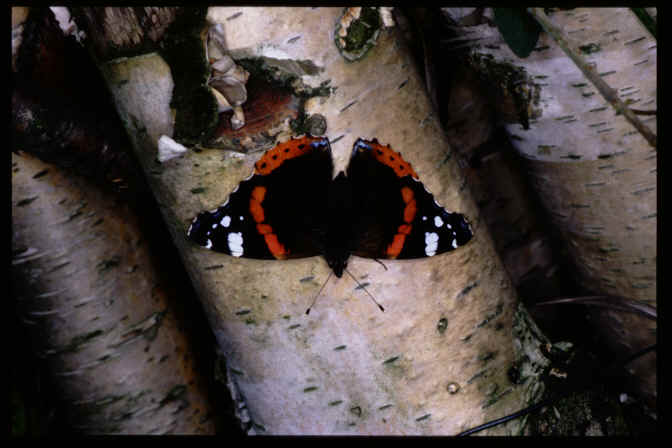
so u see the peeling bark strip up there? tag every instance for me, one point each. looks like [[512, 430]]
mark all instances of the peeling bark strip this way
[[123, 363], [327, 373]]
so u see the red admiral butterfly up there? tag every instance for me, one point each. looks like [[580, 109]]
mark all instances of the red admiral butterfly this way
[[292, 207]]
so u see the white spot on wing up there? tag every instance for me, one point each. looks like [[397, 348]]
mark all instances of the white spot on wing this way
[[225, 221], [454, 243], [208, 244], [235, 240], [431, 243], [438, 222], [241, 218], [449, 226], [424, 218], [214, 225]]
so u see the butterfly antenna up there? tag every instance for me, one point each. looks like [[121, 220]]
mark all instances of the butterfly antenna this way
[[362, 287], [318, 293], [381, 263]]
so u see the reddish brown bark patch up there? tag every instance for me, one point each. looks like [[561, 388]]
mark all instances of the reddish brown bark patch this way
[[266, 107]]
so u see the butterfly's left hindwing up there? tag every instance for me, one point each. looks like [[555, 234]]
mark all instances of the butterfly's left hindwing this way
[[395, 216]]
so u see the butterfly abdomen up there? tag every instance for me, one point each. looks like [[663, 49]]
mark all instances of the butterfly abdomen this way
[[340, 235]]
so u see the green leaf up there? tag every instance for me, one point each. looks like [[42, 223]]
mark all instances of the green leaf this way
[[519, 30]]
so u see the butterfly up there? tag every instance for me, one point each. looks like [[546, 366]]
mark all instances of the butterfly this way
[[291, 206]]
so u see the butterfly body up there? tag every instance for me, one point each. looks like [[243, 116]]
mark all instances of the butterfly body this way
[[293, 207], [340, 237]]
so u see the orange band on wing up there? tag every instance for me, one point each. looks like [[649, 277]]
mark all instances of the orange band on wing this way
[[405, 229], [407, 194], [257, 211], [276, 248], [396, 245], [264, 229], [410, 210], [259, 193], [394, 248], [411, 206], [275, 157], [386, 156]]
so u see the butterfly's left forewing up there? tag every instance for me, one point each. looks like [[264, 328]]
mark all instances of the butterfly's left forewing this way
[[277, 213], [395, 217]]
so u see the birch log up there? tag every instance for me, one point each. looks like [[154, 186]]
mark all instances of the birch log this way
[[594, 172], [93, 299], [96, 307], [439, 359]]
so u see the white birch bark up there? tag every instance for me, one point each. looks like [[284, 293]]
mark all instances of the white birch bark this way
[[93, 301]]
